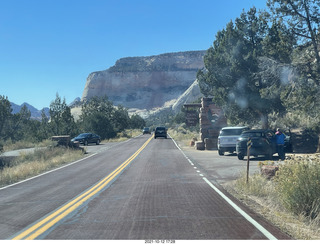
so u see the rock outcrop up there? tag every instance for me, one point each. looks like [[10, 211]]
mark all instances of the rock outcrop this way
[[146, 82]]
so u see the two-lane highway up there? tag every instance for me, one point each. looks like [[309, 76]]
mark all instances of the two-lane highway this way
[[144, 188]]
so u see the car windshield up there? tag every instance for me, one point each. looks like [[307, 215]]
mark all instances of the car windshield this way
[[160, 128], [231, 132]]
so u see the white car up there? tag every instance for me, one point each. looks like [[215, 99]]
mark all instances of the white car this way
[[227, 139]]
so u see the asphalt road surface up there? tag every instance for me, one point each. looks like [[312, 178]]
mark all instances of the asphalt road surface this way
[[141, 189]]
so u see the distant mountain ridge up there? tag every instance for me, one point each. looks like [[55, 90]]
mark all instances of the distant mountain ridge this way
[[35, 113]]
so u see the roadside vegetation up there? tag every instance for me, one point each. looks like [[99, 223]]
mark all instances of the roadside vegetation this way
[[19, 131], [124, 135], [41, 160], [183, 134], [98, 116], [291, 199]]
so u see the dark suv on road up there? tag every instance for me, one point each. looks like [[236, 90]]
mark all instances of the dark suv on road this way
[[146, 130], [160, 132]]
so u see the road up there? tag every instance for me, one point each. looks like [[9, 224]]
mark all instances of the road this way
[[141, 189]]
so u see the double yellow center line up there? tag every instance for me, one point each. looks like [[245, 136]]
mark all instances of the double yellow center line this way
[[42, 226]]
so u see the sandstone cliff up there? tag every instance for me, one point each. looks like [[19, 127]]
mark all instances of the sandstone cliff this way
[[146, 82]]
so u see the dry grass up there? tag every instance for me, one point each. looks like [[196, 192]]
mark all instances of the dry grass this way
[[9, 146], [183, 136], [125, 135], [42, 160], [264, 197]]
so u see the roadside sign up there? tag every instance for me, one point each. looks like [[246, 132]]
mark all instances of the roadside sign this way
[[249, 143], [192, 118]]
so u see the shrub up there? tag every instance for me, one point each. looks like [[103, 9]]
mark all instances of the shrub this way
[[298, 186], [42, 160], [257, 185]]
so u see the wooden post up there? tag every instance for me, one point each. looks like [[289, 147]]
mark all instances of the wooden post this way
[[249, 143]]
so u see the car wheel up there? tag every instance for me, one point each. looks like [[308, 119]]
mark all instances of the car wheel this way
[[85, 143], [155, 137], [98, 142], [221, 153], [240, 156]]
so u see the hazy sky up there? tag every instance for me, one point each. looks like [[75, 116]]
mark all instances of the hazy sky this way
[[51, 46]]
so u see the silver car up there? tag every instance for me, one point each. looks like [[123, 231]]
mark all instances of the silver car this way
[[227, 139]]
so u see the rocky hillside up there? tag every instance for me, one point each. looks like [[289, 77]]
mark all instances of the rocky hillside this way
[[146, 82]]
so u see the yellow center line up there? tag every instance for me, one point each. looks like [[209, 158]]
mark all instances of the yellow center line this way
[[43, 225]]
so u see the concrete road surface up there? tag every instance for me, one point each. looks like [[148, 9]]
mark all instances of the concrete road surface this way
[[142, 189]]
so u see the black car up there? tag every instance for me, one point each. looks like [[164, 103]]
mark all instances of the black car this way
[[262, 143], [86, 138], [146, 130], [160, 132]]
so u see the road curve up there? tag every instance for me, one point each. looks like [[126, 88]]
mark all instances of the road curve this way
[[144, 188]]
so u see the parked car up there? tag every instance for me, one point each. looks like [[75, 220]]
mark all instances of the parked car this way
[[227, 139], [86, 138], [160, 132], [263, 143], [146, 130]]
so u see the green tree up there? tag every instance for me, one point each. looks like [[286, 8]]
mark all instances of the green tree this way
[[44, 129], [19, 124], [137, 122], [62, 122], [5, 115], [121, 118], [303, 18], [231, 65], [303, 95], [237, 67], [279, 43], [97, 117]]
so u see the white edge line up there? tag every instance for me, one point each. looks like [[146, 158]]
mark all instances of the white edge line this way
[[236, 207], [244, 214], [64, 166]]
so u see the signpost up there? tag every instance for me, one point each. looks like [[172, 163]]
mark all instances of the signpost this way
[[192, 116], [249, 144]]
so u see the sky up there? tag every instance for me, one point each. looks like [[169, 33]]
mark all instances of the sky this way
[[49, 47]]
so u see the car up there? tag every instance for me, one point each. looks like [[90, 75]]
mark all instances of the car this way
[[86, 138], [227, 138], [262, 143], [160, 132], [146, 130]]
